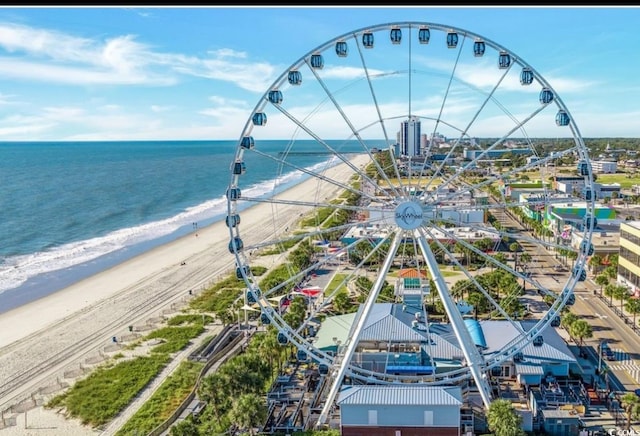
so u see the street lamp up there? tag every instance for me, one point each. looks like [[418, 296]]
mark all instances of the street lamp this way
[[600, 358]]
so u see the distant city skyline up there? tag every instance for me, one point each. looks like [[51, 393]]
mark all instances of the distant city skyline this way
[[171, 73]]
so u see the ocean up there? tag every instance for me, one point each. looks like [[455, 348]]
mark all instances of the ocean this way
[[71, 209]]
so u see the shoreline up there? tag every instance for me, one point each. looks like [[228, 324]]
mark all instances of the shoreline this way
[[94, 309], [48, 283]]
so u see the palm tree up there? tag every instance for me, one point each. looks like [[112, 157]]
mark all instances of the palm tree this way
[[633, 307], [602, 280], [568, 319], [595, 262], [248, 412], [573, 255], [581, 329], [621, 293], [609, 290], [503, 419], [611, 271], [525, 258], [513, 247], [212, 390], [630, 402]]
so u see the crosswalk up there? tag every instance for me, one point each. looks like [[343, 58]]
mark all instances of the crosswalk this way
[[623, 362]]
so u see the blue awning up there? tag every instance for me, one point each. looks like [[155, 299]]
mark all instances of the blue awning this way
[[410, 369], [475, 330]]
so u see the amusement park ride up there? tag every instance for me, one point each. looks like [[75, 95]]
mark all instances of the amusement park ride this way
[[343, 101]]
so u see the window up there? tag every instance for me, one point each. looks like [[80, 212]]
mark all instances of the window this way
[[506, 371]]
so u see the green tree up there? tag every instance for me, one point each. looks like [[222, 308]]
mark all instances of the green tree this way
[[633, 307], [341, 303], [514, 247], [503, 419], [602, 280], [581, 330], [611, 271], [573, 255], [622, 294], [594, 262], [248, 411], [568, 319], [630, 402], [186, 427], [212, 390], [609, 291]]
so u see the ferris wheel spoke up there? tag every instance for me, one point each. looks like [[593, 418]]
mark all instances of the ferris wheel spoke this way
[[458, 179], [463, 133], [315, 174], [355, 132], [321, 141], [474, 161], [309, 204], [380, 119], [473, 280]]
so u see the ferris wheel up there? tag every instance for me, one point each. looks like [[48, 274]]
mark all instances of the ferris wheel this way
[[425, 179]]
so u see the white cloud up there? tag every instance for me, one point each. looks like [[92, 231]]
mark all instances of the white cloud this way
[[24, 131], [228, 53], [51, 56], [158, 108], [63, 113], [6, 99], [78, 75]]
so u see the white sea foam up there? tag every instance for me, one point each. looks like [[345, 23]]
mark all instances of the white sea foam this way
[[16, 270]]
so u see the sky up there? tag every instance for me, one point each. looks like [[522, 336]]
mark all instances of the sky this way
[[199, 73]]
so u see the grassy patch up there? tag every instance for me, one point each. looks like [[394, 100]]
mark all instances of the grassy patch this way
[[100, 397], [624, 180], [337, 279], [176, 338], [164, 401]]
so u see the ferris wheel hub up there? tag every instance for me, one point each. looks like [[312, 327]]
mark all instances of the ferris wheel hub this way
[[409, 215]]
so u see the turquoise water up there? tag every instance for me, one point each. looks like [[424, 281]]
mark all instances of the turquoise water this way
[[71, 209]]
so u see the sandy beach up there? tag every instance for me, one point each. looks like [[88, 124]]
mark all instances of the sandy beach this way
[[48, 344]]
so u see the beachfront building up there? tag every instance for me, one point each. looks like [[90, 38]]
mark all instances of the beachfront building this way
[[604, 166], [605, 240], [629, 256], [514, 190], [572, 185], [409, 137], [606, 191], [601, 191], [400, 410], [469, 154], [399, 339], [563, 218]]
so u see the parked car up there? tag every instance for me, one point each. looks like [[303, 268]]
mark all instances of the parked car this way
[[608, 354], [606, 351]]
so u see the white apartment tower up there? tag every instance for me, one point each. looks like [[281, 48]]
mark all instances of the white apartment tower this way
[[410, 137]]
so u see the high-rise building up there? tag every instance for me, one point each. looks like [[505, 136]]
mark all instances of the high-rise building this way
[[410, 137], [628, 269]]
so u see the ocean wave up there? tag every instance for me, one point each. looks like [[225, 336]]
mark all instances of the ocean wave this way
[[17, 270]]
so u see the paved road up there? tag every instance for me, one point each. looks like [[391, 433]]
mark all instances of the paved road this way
[[606, 324]]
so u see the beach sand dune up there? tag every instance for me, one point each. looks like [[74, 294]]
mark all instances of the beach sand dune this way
[[48, 344]]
